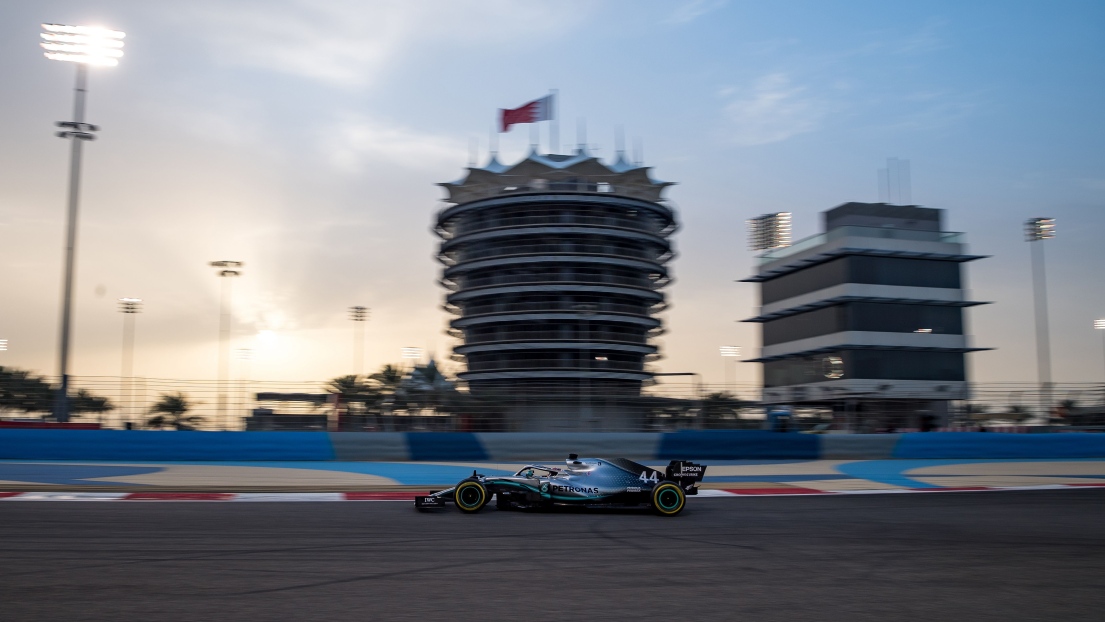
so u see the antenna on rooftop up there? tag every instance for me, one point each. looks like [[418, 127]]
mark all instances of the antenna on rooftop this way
[[581, 134], [894, 183], [473, 151], [638, 151], [619, 140]]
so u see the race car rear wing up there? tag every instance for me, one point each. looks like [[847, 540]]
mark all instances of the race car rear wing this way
[[685, 473]]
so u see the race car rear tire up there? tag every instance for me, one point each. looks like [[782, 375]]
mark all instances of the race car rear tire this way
[[668, 499], [470, 496]]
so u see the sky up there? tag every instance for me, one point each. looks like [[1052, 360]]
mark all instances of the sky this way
[[305, 138]]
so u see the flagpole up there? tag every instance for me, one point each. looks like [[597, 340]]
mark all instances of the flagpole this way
[[554, 123]]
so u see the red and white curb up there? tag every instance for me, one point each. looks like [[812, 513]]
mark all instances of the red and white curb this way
[[410, 495]]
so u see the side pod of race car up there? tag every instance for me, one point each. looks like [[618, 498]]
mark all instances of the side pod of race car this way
[[587, 482]]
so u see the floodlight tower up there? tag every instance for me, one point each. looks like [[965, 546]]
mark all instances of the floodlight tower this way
[[413, 355], [358, 314], [129, 307], [1036, 230], [228, 270], [1100, 325], [769, 231], [83, 45], [726, 353]]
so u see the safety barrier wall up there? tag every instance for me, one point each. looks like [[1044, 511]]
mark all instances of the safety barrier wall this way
[[143, 445], [116, 445]]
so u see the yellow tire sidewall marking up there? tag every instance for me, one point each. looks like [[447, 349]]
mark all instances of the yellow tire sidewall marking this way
[[470, 508], [656, 503]]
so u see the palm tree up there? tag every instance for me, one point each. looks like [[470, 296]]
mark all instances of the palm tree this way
[[169, 411], [23, 391], [427, 387], [388, 378], [352, 388], [85, 402], [721, 410]]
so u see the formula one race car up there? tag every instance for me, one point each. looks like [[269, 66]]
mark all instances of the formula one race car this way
[[588, 482]]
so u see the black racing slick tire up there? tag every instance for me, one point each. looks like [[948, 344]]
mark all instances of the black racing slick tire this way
[[470, 496], [668, 499]]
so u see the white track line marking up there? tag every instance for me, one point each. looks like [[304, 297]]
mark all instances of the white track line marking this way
[[338, 496]]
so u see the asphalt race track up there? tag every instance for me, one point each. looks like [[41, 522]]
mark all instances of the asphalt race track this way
[[1036, 555]]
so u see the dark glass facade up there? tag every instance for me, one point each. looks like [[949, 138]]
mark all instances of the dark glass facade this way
[[865, 269], [867, 365], [865, 316]]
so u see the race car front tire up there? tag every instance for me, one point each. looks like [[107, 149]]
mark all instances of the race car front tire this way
[[668, 499], [470, 496]]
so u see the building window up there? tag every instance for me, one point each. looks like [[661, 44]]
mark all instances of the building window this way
[[904, 271], [877, 317], [863, 269], [866, 365]]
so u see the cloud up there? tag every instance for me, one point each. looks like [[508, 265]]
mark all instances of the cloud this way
[[358, 140], [773, 111], [350, 43], [690, 11]]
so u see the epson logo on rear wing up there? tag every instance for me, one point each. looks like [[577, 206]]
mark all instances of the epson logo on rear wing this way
[[686, 471]]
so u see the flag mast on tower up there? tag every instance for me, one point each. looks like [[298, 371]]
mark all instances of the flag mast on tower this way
[[543, 109]]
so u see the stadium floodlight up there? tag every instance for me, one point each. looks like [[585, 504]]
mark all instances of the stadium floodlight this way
[[729, 352], [359, 314], [229, 269], [128, 307], [88, 45], [1039, 229], [1100, 325], [85, 46], [3, 345], [769, 231], [412, 353]]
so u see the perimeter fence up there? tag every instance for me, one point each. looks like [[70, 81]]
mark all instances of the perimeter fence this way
[[411, 405]]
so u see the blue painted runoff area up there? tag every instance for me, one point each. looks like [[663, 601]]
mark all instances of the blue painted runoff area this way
[[150, 446], [891, 472], [69, 474]]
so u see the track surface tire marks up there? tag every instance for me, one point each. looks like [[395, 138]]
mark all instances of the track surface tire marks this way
[[1017, 556]]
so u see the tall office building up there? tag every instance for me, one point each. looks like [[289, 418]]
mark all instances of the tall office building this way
[[555, 267], [871, 311]]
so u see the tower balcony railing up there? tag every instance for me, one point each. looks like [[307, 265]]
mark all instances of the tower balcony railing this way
[[475, 308], [463, 283], [565, 248], [554, 335], [468, 225], [946, 237], [543, 364]]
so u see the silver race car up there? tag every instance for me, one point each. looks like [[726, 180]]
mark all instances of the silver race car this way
[[587, 482]]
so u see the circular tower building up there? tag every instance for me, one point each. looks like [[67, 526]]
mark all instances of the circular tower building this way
[[554, 268]]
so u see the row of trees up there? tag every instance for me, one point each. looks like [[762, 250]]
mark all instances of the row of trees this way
[[391, 389], [24, 393]]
